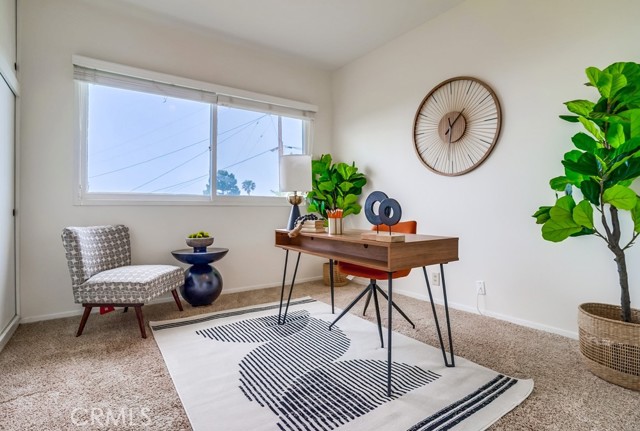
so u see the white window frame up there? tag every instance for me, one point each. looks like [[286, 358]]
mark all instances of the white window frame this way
[[226, 96]]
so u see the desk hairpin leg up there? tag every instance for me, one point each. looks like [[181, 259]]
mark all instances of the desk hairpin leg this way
[[331, 278], [435, 317], [293, 280], [390, 330]]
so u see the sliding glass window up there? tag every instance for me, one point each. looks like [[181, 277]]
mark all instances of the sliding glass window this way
[[145, 140]]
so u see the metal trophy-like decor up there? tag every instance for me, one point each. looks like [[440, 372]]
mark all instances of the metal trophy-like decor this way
[[388, 214]]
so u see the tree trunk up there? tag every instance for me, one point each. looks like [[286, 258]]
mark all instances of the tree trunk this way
[[614, 246], [625, 300]]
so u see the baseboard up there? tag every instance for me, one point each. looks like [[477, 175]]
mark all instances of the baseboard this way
[[52, 316], [499, 316], [357, 280], [164, 298], [8, 332], [268, 285]]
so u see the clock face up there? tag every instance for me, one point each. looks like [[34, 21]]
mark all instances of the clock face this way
[[456, 126]]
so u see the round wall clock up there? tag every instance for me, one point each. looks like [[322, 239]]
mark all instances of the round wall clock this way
[[457, 125]]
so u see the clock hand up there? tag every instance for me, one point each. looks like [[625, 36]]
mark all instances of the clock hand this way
[[459, 114], [454, 121], [449, 149]]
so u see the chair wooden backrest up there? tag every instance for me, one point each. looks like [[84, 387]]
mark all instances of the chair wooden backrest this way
[[409, 226]]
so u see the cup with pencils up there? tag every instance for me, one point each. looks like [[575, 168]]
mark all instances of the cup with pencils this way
[[335, 221]]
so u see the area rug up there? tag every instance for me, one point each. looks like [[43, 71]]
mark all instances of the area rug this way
[[240, 370]]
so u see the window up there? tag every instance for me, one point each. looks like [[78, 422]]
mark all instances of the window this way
[[248, 147], [149, 139]]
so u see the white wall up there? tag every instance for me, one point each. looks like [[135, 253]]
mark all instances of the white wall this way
[[50, 32], [533, 53]]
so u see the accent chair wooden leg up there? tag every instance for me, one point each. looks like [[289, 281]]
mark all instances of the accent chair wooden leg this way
[[83, 321], [138, 309], [177, 299]]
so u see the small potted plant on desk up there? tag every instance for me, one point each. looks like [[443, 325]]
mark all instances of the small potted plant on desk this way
[[601, 168], [334, 186]]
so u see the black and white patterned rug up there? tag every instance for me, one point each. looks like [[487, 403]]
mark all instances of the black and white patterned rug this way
[[240, 370]]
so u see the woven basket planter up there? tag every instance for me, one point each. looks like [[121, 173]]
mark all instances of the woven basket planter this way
[[610, 347], [339, 279]]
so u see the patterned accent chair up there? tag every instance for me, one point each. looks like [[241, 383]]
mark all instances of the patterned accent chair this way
[[99, 260]]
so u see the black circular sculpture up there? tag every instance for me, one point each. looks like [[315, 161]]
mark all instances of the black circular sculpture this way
[[389, 211]]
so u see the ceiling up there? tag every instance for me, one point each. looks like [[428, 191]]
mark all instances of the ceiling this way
[[331, 33]]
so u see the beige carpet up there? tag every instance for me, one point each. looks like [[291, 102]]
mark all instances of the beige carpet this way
[[51, 380]]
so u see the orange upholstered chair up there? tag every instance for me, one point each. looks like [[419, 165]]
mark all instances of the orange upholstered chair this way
[[374, 274]]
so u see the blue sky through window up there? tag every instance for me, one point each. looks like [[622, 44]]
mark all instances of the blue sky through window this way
[[146, 143]]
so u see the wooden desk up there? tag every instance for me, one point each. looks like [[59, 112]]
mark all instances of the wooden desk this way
[[415, 251]]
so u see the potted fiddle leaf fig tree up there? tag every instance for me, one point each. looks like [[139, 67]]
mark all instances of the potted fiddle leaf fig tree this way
[[601, 169]]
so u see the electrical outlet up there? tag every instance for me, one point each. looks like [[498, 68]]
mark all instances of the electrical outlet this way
[[480, 288], [435, 278]]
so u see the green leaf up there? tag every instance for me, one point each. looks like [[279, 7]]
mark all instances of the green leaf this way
[[630, 147], [326, 186], [615, 68], [360, 182], [584, 231], [556, 231], [575, 178], [563, 209], [345, 186], [559, 184], [618, 82], [346, 171], [615, 135], [593, 74], [569, 118], [604, 84], [583, 214], [350, 199], [587, 164], [584, 142], [592, 128], [580, 107], [348, 211], [632, 117], [542, 215], [573, 155], [620, 197], [635, 215], [318, 167], [627, 170], [591, 190], [601, 109]]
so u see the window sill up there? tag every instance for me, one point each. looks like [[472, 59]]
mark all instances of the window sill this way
[[220, 201]]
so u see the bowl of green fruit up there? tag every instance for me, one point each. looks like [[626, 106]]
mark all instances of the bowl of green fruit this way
[[199, 241]]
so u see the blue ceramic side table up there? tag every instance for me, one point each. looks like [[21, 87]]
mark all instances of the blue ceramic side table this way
[[202, 282]]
